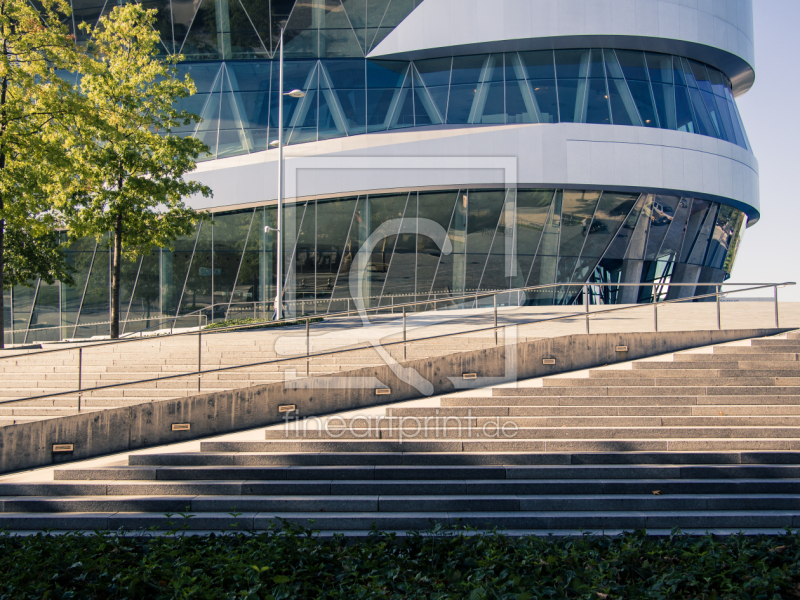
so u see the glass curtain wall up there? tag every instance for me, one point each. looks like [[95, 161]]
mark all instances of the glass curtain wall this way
[[388, 249], [238, 101]]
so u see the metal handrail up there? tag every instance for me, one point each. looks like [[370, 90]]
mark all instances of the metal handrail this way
[[471, 296], [308, 356]]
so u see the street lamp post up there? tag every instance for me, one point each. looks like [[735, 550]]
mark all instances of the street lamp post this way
[[279, 144]]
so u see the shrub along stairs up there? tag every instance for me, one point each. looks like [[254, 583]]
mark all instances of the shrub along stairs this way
[[690, 440]]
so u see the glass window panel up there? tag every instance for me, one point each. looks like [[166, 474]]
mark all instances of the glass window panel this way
[[664, 209], [664, 95], [462, 103], [701, 243], [619, 246], [78, 255], [384, 80], [519, 103], [513, 67], [7, 324], [305, 260], [720, 237], [485, 208], [697, 215], [638, 241], [468, 69], [199, 288], [705, 124], [376, 10], [145, 304], [382, 209], [623, 110], [440, 96], [683, 111], [339, 42], [597, 68], [632, 63], [403, 115], [733, 245], [250, 25], [451, 269], [437, 207], [356, 236], [128, 270], [45, 315], [660, 67], [297, 74], [546, 100], [571, 94], [611, 212], [539, 65], [425, 111], [332, 122], [335, 216], [303, 120], [231, 232], [348, 79], [401, 277], [738, 116], [496, 273], [571, 64], [718, 81], [491, 104], [22, 301], [96, 301], [543, 270], [196, 27], [737, 126], [174, 268], [434, 71], [716, 117], [577, 212], [533, 206], [687, 72], [643, 98], [597, 107], [727, 122], [673, 241], [700, 75], [613, 70], [677, 71]]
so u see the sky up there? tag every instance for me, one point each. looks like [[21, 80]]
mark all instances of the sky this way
[[770, 248]]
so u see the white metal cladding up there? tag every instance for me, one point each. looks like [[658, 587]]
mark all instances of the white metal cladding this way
[[719, 32], [551, 155]]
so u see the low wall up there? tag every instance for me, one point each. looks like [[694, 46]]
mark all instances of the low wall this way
[[29, 445]]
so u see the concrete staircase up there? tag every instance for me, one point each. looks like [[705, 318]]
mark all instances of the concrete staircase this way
[[690, 440], [29, 375]]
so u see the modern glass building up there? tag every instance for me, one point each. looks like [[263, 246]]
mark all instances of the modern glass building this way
[[459, 145]]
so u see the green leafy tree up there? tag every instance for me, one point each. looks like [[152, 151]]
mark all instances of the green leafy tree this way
[[35, 104], [130, 167]]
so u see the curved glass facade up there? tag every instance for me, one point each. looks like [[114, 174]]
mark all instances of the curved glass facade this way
[[500, 239], [238, 101]]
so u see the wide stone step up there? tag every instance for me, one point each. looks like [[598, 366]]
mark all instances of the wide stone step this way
[[682, 382], [410, 474], [493, 431], [664, 389], [691, 374], [591, 400], [521, 445], [412, 422], [538, 520], [728, 365], [594, 411], [737, 356], [218, 459]]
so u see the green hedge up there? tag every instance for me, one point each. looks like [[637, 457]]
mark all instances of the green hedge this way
[[296, 564], [259, 323]]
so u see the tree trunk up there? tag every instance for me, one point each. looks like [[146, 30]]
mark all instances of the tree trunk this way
[[115, 278]]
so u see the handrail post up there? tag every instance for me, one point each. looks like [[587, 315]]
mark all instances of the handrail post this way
[[80, 373], [777, 321], [495, 319], [476, 300], [199, 356], [404, 333], [655, 314], [719, 313], [586, 305], [308, 347]]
